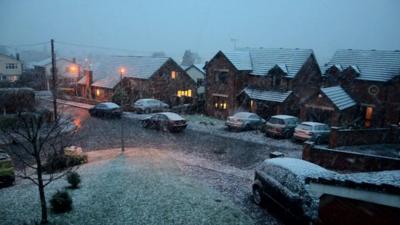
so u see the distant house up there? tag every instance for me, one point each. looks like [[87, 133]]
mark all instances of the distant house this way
[[144, 77], [197, 73], [10, 68], [371, 78], [358, 198], [68, 72], [265, 81]]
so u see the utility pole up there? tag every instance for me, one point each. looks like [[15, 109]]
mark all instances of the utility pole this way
[[121, 73], [54, 76]]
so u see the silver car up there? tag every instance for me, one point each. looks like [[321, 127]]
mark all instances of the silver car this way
[[149, 105], [281, 126], [244, 121], [314, 131]]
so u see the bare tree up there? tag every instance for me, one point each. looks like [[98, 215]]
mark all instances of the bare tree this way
[[36, 138]]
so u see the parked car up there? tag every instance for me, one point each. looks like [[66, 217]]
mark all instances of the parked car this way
[[106, 109], [165, 121], [281, 182], [149, 105], [314, 131], [281, 126], [244, 121], [7, 175]]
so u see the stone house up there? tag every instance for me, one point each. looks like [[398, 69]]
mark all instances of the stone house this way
[[372, 79], [265, 81], [331, 105], [143, 77]]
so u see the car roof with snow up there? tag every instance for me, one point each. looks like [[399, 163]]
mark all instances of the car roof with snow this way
[[284, 117], [384, 181], [147, 99], [298, 167], [111, 105], [309, 123], [172, 116], [243, 114]]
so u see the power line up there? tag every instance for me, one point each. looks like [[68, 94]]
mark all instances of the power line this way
[[98, 47], [25, 45]]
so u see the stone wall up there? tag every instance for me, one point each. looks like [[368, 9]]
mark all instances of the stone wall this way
[[347, 137]]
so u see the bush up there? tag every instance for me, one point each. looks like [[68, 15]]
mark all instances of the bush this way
[[61, 202], [73, 179], [61, 161]]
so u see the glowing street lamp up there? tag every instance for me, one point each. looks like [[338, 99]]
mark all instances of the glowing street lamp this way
[[122, 71]]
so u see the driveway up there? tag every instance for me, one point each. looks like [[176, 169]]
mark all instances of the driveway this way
[[141, 186]]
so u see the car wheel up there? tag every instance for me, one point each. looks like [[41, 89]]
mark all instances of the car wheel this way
[[164, 127], [147, 111], [145, 124], [257, 196]]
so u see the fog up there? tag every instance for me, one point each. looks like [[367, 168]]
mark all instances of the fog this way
[[145, 26]]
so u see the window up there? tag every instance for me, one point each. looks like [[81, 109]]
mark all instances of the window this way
[[276, 81], [98, 92], [173, 75], [200, 82], [221, 77], [220, 103], [11, 66], [184, 93]]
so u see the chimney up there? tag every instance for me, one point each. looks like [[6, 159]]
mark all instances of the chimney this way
[[17, 56], [74, 60], [88, 83]]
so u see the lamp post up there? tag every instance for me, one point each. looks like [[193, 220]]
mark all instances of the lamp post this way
[[121, 73]]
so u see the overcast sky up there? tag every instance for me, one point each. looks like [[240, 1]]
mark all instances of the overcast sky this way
[[205, 26]]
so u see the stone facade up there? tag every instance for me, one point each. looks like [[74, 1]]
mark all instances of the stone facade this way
[[224, 84]]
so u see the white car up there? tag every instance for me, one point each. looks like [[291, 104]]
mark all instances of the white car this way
[[149, 105], [314, 131]]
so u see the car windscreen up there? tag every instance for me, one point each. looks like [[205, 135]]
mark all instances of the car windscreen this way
[[242, 115], [274, 120]]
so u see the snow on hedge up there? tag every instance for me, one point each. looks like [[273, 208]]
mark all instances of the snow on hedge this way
[[127, 190]]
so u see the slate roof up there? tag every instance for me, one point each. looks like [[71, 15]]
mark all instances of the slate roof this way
[[373, 65], [271, 96], [339, 97], [106, 69], [261, 60]]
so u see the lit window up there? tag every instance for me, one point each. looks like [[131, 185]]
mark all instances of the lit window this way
[[224, 105], [186, 93], [368, 113], [97, 92], [173, 75]]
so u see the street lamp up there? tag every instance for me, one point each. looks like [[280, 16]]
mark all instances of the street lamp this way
[[122, 71]]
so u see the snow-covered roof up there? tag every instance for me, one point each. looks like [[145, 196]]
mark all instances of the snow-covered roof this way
[[261, 60], [271, 96], [299, 167], [108, 82], [372, 65], [338, 97], [173, 116], [384, 181]]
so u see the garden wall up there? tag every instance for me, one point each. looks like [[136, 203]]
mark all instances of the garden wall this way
[[348, 137]]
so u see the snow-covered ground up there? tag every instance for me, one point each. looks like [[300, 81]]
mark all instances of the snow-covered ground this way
[[138, 187]]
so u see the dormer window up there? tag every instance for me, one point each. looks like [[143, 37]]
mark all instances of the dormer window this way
[[173, 75]]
